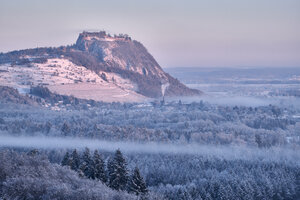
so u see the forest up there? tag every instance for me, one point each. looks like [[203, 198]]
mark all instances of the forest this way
[[174, 150]]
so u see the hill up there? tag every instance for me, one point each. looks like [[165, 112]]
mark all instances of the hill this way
[[99, 67]]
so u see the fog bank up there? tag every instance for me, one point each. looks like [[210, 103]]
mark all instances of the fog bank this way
[[226, 152]]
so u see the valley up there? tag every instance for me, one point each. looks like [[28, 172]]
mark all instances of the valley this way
[[194, 133]]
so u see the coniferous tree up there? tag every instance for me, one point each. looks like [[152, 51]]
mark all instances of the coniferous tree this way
[[66, 160], [75, 160], [110, 169], [99, 170], [137, 184], [118, 174], [87, 164], [66, 129]]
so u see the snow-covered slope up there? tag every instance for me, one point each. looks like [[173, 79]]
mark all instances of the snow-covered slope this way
[[130, 59], [98, 66], [64, 77]]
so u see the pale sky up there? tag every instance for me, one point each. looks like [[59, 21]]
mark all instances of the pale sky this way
[[189, 33]]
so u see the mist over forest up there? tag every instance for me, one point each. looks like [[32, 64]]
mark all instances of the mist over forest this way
[[149, 100], [243, 145]]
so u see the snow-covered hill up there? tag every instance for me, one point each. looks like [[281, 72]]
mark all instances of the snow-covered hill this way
[[62, 76], [98, 67]]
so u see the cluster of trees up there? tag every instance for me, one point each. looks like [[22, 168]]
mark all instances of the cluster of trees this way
[[215, 173], [32, 176], [39, 55], [174, 176], [263, 126], [287, 92], [11, 95], [213, 177], [115, 174]]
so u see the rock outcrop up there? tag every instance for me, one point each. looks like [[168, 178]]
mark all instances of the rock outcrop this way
[[131, 60], [116, 60]]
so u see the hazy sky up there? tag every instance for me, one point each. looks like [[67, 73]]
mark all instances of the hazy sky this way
[[190, 33]]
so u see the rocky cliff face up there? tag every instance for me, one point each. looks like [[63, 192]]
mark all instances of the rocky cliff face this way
[[97, 61], [132, 60], [120, 52]]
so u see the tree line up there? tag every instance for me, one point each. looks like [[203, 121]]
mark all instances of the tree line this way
[[30, 175], [114, 174]]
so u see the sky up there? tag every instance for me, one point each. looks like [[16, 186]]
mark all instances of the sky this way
[[190, 33]]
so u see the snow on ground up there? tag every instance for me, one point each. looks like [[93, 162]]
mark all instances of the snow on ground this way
[[64, 77], [98, 92]]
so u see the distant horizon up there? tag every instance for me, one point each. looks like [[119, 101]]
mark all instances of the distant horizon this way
[[191, 33], [232, 67]]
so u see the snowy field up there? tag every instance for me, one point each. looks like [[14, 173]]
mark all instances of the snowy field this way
[[98, 92], [64, 77]]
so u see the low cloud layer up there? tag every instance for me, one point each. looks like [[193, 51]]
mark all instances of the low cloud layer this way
[[225, 152]]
